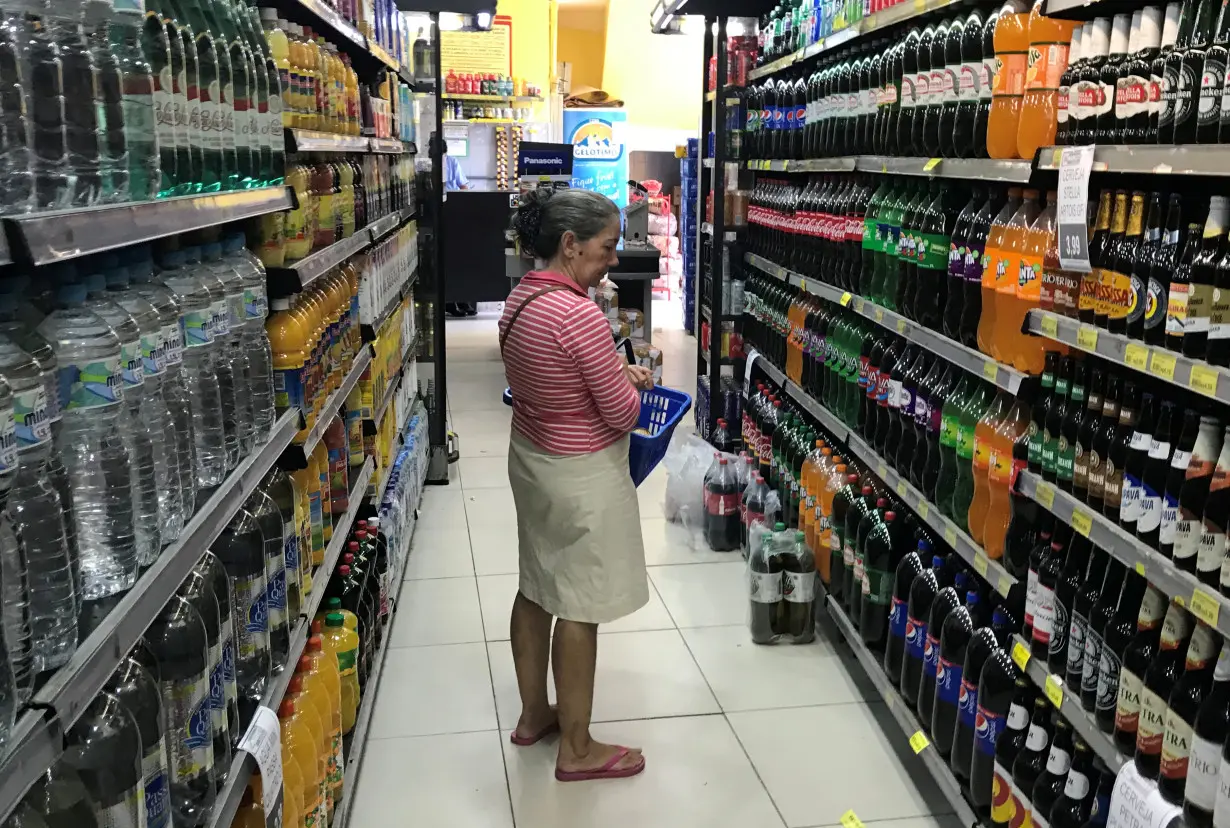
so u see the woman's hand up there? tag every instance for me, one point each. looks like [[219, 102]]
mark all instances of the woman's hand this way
[[640, 376]]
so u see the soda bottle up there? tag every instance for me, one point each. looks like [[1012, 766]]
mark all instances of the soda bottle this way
[[847, 494], [882, 556], [955, 633], [958, 247], [946, 601], [909, 568], [764, 567], [976, 263], [1027, 352], [963, 487], [722, 509], [1002, 469], [918, 611], [1012, 42], [984, 443], [1012, 741], [992, 254], [1049, 44], [860, 518], [797, 608], [1008, 265], [985, 704]]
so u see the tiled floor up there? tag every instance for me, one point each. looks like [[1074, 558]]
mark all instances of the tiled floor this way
[[736, 736]]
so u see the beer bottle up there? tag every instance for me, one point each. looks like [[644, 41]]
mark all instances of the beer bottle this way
[[1116, 461], [1177, 302], [1095, 46], [1086, 429], [1191, 72], [1087, 593], [1153, 480], [1115, 639], [1203, 277], [1172, 70], [1042, 404], [1109, 277], [1050, 783], [1162, 111], [1218, 350], [1157, 681], [1067, 584], [1054, 419], [1135, 662], [1008, 747], [1099, 252], [1133, 488], [1212, 82], [1142, 264], [1209, 732], [1195, 492], [1132, 107], [1030, 763], [1176, 471], [1046, 626], [1100, 617], [1069, 428], [1109, 73], [1066, 102], [1074, 806], [1100, 446], [1212, 564], [1037, 556], [1165, 260], [1183, 705]]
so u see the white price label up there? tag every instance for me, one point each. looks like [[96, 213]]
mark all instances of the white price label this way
[[1072, 212], [263, 740]]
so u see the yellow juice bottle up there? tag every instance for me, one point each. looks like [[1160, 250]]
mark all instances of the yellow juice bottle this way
[[305, 708], [343, 645], [329, 709], [287, 341], [299, 79], [294, 228], [352, 98], [251, 813], [324, 94], [346, 199], [320, 465], [330, 679], [297, 741], [307, 524]]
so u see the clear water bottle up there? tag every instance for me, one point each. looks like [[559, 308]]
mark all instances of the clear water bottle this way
[[137, 690], [178, 643], [231, 288], [24, 816], [200, 373], [15, 673], [219, 316], [90, 445], [156, 45], [104, 748], [199, 590], [279, 487], [16, 178], [81, 102], [241, 548], [279, 580], [141, 271], [213, 568], [137, 76], [42, 82], [254, 342], [37, 514], [112, 141], [155, 405], [61, 799], [146, 449]]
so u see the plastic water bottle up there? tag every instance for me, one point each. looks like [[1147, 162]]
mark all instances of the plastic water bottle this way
[[278, 486], [199, 590], [137, 690], [146, 449], [156, 44], [254, 342], [241, 548], [17, 678], [24, 816], [41, 81], [90, 444], [200, 373], [104, 747], [155, 410], [213, 568], [144, 165], [112, 142], [37, 515], [218, 320], [81, 104], [59, 797], [279, 580], [231, 314], [16, 178], [178, 643], [141, 272]]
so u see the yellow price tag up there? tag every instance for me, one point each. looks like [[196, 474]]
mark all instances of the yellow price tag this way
[[901, 326], [1056, 155], [950, 535], [882, 471], [1045, 495], [845, 298], [1020, 655], [879, 314], [924, 509], [1203, 380], [1205, 606], [1054, 690], [1162, 365], [859, 306], [920, 5], [1005, 585], [901, 488], [1050, 326], [849, 820], [990, 370], [934, 162], [981, 563], [1140, 568], [1082, 521], [919, 741], [1136, 356], [1087, 338]]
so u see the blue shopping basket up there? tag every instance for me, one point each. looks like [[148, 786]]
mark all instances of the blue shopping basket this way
[[661, 410]]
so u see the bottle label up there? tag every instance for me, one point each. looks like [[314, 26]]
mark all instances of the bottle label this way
[[877, 586], [1003, 802], [1211, 548], [217, 689], [1077, 785], [1219, 314], [227, 637], [1177, 309], [1059, 627], [1187, 534], [1127, 709], [31, 423], [1152, 723], [131, 363], [947, 678], [1044, 614], [1211, 81], [915, 638], [191, 748], [1109, 669], [965, 441], [897, 618], [172, 340], [799, 587], [765, 587], [1200, 767], [1221, 810], [1129, 499], [164, 107], [253, 613], [931, 657], [288, 390], [91, 385], [987, 725], [1176, 745], [1089, 664], [1076, 643], [1131, 96], [1031, 596], [275, 585], [967, 80], [157, 794], [1009, 80], [717, 504], [968, 709]]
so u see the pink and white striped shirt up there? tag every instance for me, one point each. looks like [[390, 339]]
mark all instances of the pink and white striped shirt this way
[[570, 394]]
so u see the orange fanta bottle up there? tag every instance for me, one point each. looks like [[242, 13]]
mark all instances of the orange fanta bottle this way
[[1001, 475], [1007, 272], [991, 254], [1008, 86], [1024, 350], [1050, 43], [984, 433]]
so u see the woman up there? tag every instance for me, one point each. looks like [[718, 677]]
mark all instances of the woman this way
[[575, 401]]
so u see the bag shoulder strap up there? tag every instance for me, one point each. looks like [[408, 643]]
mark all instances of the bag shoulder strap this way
[[512, 321]]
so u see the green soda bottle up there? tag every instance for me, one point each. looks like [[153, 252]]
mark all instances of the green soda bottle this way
[[950, 427], [963, 491]]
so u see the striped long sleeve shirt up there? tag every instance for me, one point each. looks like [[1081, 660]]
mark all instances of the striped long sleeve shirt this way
[[570, 394]]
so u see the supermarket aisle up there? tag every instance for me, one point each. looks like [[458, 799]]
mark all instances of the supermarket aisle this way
[[736, 736]]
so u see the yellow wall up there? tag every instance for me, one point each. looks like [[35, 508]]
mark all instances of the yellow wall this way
[[582, 41]]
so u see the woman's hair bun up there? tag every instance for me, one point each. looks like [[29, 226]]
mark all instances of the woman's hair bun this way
[[527, 222]]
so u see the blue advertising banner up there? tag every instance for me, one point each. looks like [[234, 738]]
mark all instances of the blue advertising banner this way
[[599, 157]]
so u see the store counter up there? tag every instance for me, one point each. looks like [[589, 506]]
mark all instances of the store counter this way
[[476, 222]]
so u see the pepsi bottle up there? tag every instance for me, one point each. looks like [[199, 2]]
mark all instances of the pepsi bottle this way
[[911, 567], [946, 600], [974, 719], [955, 633], [1002, 695], [922, 594]]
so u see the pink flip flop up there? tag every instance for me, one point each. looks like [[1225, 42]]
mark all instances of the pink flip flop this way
[[607, 771], [526, 741]]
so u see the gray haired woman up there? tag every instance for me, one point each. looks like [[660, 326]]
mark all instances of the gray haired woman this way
[[575, 401]]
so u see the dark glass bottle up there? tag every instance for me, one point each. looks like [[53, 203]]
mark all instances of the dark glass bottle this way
[[1133, 488], [1165, 260], [1086, 429], [1193, 684], [1137, 656], [1011, 742], [1088, 589], [1100, 446], [1212, 82], [1209, 731], [1107, 128], [1116, 461], [1180, 289], [1100, 617], [1191, 70], [1172, 68], [1115, 639], [1075, 802], [1194, 494], [1157, 681], [1030, 763]]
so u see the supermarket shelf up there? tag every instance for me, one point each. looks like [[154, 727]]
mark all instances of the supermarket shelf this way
[[370, 331], [41, 238], [333, 405], [846, 163], [1170, 366], [492, 98], [384, 225], [1054, 687], [307, 140], [729, 235], [387, 146], [336, 22], [966, 358], [75, 685], [243, 765], [980, 169], [1183, 159], [35, 743], [911, 728], [295, 277], [1202, 600], [383, 56]]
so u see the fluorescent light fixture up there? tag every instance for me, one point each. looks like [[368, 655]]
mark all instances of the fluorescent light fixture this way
[[482, 20]]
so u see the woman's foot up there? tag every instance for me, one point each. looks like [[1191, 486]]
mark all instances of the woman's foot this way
[[532, 727], [600, 760]]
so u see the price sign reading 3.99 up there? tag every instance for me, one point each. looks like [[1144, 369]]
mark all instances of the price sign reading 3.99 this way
[[1072, 211]]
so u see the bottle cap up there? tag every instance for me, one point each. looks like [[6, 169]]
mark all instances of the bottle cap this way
[[353, 546], [304, 665], [315, 644], [890, 516], [1134, 34], [344, 571], [348, 560], [334, 604], [286, 709], [1170, 28], [316, 627], [971, 598], [1119, 34], [1150, 28], [334, 619], [937, 561], [779, 527], [295, 686]]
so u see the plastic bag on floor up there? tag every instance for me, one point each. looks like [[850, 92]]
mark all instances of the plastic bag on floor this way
[[687, 459]]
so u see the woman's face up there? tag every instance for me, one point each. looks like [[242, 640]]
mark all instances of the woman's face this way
[[590, 260]]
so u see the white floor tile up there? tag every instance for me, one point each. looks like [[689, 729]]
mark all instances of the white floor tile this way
[[865, 775], [484, 473], [426, 691], [496, 594], [747, 676], [443, 507], [695, 775], [488, 507], [703, 595], [494, 547], [438, 611], [483, 423], [455, 780], [640, 675], [441, 553], [669, 543]]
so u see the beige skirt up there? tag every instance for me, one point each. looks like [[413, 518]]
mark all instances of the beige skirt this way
[[579, 532]]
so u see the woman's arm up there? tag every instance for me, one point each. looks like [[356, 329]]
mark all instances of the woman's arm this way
[[586, 337]]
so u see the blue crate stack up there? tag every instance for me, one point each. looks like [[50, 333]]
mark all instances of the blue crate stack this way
[[689, 221]]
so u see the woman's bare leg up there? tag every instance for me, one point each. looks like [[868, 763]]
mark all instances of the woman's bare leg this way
[[531, 648], [574, 654]]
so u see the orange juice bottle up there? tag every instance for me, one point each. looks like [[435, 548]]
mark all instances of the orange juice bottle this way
[[317, 695], [343, 645], [1007, 269], [1050, 44], [991, 254], [251, 813], [331, 684], [319, 462], [297, 742], [984, 433], [305, 708], [1011, 40], [1001, 475], [287, 341], [1024, 350]]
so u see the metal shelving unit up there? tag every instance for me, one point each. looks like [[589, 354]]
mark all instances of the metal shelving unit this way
[[1180, 159], [304, 448], [293, 278]]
